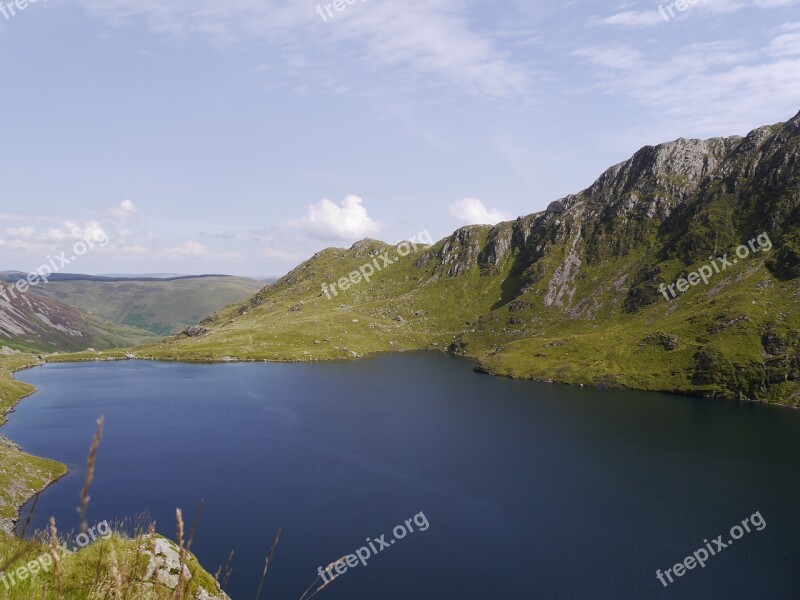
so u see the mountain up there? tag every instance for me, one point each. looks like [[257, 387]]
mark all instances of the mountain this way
[[634, 282], [158, 305], [31, 322]]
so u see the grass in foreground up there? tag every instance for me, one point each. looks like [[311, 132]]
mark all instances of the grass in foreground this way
[[144, 566]]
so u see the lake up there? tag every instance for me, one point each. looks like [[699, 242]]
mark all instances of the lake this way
[[529, 490]]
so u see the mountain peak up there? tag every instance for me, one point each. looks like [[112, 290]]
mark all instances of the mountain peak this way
[[368, 247], [578, 293]]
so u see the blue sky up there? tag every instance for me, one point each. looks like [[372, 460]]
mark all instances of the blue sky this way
[[242, 136]]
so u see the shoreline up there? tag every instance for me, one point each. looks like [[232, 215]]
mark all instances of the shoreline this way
[[684, 394], [7, 525], [478, 367], [205, 585]]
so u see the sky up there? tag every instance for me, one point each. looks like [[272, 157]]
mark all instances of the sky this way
[[241, 137]]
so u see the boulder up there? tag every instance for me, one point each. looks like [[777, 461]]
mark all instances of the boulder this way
[[164, 567], [195, 331]]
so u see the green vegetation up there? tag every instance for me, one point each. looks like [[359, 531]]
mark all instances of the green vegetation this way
[[21, 475], [34, 323], [572, 294], [160, 306], [569, 295], [119, 566]]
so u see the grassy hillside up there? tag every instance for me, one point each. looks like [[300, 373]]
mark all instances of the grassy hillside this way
[[34, 323], [161, 306], [574, 294], [120, 566]]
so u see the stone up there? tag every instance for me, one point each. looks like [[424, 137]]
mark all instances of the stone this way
[[195, 331]]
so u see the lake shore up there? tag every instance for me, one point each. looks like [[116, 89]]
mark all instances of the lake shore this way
[[512, 365], [22, 475], [454, 422], [17, 493]]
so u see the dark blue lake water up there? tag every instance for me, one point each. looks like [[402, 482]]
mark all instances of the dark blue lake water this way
[[530, 490]]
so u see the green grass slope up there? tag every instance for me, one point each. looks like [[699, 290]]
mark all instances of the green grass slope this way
[[31, 322], [161, 306], [118, 566], [572, 294]]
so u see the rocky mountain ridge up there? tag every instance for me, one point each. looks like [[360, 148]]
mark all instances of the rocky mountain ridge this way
[[573, 293]]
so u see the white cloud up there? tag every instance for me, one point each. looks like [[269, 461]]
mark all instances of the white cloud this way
[[26, 246], [20, 232], [668, 11], [191, 249], [471, 211], [786, 45], [434, 38], [188, 248], [708, 88], [327, 220], [268, 253], [71, 232], [28, 239], [136, 249], [631, 18], [774, 3], [123, 216]]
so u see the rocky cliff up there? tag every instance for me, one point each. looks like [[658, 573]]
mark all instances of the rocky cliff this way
[[578, 293]]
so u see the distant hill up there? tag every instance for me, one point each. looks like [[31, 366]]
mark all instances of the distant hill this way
[[580, 293], [159, 305], [13, 276], [144, 275], [31, 322]]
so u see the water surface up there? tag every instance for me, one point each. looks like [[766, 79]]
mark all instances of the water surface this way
[[531, 490]]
